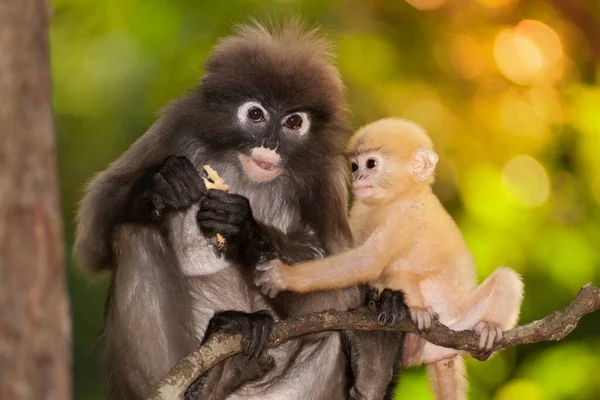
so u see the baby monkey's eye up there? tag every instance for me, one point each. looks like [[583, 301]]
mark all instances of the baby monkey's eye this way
[[371, 163], [354, 166]]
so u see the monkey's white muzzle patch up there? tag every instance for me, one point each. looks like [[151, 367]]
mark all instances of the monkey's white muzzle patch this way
[[263, 165], [362, 189]]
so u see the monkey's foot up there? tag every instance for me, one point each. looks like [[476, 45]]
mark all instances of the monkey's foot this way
[[489, 333], [270, 277], [422, 318], [372, 300], [255, 328], [390, 306]]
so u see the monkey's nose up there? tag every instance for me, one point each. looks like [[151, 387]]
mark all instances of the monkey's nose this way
[[271, 143]]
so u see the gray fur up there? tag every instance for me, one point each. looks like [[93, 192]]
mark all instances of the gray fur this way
[[167, 283]]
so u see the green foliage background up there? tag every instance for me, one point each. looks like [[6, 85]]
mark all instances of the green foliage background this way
[[512, 107]]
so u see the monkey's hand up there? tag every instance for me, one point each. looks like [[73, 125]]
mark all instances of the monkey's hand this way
[[255, 328], [255, 362], [489, 333], [422, 318], [390, 306], [174, 185], [224, 378], [271, 277], [230, 216]]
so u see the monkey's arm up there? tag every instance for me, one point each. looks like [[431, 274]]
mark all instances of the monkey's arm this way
[[247, 241], [142, 180], [358, 265]]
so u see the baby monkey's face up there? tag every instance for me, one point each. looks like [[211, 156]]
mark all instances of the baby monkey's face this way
[[367, 169]]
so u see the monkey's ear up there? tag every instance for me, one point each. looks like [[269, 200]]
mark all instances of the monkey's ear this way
[[422, 163]]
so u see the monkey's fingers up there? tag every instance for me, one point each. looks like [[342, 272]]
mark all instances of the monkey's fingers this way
[[214, 181], [391, 306], [420, 322], [270, 289], [414, 316], [254, 347], [489, 334], [261, 279], [371, 300], [422, 318], [265, 266], [499, 334], [274, 291], [426, 321], [265, 335], [393, 314]]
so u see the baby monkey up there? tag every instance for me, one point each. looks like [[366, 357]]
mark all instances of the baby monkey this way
[[406, 240]]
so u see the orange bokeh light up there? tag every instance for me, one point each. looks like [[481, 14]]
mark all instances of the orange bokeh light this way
[[528, 53]]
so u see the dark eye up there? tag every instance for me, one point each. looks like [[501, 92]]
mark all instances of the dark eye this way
[[294, 121], [354, 166], [256, 114], [371, 163]]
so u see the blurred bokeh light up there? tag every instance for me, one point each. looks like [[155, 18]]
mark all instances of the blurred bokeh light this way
[[507, 89]]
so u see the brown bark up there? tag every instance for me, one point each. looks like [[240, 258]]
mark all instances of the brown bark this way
[[222, 346], [34, 311]]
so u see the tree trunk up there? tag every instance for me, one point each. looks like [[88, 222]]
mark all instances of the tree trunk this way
[[34, 311]]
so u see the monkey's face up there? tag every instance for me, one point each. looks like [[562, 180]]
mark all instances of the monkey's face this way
[[268, 130], [381, 176], [282, 129], [368, 175], [275, 105]]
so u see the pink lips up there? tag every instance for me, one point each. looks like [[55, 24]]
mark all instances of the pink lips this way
[[265, 165], [361, 189], [262, 165], [361, 185]]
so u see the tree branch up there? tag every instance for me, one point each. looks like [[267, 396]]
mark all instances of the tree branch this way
[[222, 346]]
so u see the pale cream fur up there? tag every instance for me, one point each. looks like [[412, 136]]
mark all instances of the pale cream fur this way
[[406, 240]]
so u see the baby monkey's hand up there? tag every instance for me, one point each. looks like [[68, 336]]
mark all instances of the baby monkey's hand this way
[[422, 318], [271, 277], [489, 335]]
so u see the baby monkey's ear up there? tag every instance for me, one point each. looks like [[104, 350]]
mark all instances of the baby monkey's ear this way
[[422, 163]]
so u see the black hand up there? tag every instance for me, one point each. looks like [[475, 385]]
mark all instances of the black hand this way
[[255, 328], [372, 300], [230, 215], [225, 377], [390, 306], [174, 185]]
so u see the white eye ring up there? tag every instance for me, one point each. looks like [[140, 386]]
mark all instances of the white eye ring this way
[[242, 113], [304, 125]]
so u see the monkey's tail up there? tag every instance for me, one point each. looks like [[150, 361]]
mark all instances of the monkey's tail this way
[[448, 380]]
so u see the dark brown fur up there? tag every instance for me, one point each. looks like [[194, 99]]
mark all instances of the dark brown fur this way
[[155, 313]]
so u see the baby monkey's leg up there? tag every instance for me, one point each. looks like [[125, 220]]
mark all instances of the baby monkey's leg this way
[[448, 380], [492, 308]]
